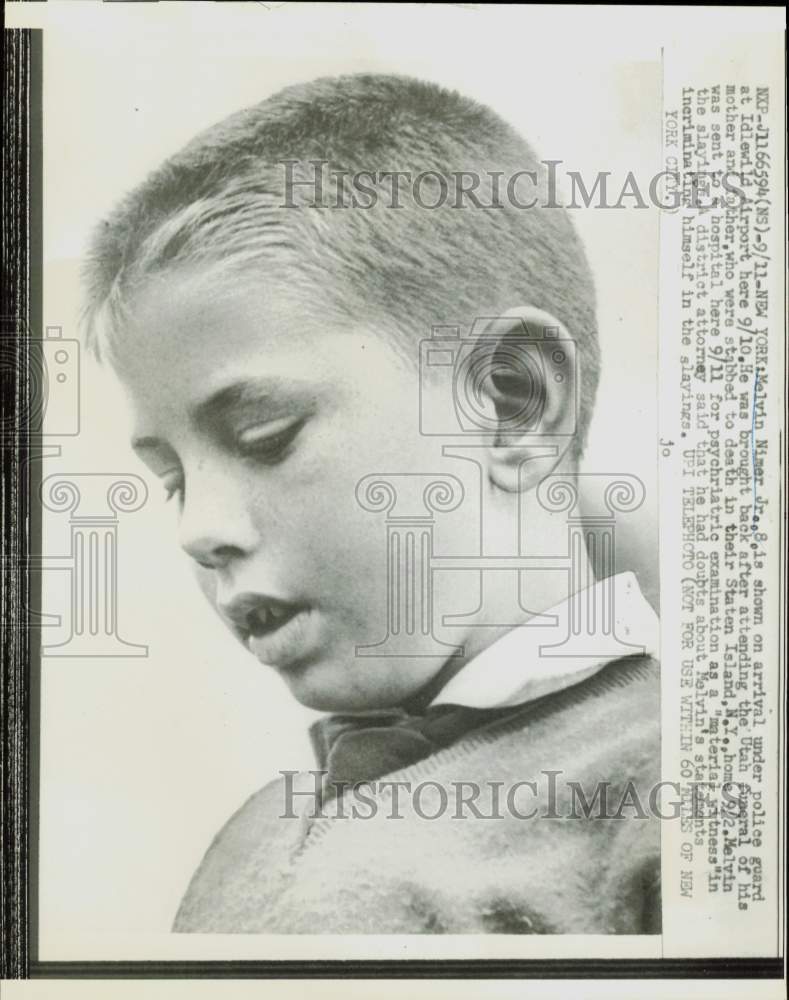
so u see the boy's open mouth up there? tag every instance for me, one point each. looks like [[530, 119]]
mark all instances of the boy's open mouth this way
[[279, 633], [268, 616], [254, 615]]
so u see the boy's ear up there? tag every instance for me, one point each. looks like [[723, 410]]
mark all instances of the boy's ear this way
[[529, 376]]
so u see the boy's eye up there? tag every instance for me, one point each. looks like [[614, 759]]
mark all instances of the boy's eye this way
[[268, 441]]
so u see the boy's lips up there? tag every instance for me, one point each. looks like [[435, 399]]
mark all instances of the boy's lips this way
[[275, 631], [286, 642]]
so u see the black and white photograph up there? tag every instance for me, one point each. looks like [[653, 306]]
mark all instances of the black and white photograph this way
[[402, 426]]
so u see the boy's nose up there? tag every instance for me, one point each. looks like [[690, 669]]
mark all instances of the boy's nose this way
[[210, 555], [215, 529]]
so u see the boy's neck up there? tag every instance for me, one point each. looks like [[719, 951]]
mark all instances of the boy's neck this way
[[549, 592]]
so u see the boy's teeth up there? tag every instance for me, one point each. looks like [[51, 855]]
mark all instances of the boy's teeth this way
[[266, 616], [260, 618]]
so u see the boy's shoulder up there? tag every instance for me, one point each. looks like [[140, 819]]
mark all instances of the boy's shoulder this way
[[253, 847], [605, 729], [596, 720]]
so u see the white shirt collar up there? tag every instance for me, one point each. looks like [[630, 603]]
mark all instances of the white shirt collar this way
[[521, 666]]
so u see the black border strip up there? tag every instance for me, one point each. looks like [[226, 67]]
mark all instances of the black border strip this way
[[652, 968], [35, 474], [17, 320]]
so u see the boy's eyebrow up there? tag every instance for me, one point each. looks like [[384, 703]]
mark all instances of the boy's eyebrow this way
[[255, 393], [146, 443], [263, 391]]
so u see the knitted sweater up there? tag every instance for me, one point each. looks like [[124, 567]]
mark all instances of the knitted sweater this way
[[579, 866]]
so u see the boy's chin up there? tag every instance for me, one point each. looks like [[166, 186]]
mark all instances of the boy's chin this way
[[326, 687]]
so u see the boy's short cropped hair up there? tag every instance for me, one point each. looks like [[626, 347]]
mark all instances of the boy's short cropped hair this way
[[306, 186]]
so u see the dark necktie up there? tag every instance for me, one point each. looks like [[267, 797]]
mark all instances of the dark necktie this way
[[362, 746]]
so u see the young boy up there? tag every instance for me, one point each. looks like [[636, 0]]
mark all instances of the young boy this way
[[263, 297]]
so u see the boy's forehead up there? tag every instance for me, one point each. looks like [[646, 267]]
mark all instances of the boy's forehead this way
[[195, 347], [188, 338], [204, 309], [185, 307]]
